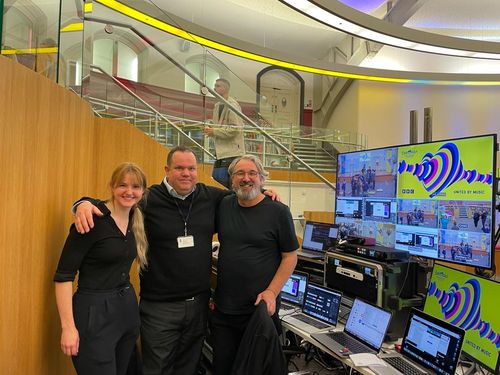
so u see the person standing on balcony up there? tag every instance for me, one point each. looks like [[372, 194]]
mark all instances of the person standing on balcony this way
[[229, 141]]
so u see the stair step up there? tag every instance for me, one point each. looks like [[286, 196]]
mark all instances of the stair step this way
[[306, 148], [315, 157], [311, 151]]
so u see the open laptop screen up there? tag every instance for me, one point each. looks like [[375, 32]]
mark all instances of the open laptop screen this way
[[322, 303], [294, 289], [432, 343], [368, 323], [319, 236]]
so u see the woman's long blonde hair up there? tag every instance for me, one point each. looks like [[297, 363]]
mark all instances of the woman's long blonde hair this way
[[138, 218]]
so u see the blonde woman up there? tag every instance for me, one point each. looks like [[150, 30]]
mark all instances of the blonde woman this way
[[100, 322]]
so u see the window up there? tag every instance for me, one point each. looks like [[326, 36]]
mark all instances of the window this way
[[116, 58], [204, 68]]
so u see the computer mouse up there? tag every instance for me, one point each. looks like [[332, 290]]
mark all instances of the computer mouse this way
[[344, 351]]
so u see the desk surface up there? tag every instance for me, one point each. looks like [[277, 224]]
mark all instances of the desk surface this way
[[344, 359], [306, 336]]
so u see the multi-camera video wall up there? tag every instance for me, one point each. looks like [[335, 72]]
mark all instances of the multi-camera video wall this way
[[434, 200]]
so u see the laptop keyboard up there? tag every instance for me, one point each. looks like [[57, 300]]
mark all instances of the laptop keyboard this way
[[403, 366], [311, 321], [286, 306], [353, 345]]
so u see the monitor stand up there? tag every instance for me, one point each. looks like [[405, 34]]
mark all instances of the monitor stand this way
[[469, 368]]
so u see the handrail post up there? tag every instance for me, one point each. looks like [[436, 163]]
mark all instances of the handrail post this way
[[157, 132]]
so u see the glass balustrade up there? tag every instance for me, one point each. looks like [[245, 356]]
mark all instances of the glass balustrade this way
[[163, 85]]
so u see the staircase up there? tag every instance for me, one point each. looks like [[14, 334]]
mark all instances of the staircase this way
[[315, 156]]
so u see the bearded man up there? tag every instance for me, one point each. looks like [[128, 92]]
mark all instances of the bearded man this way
[[257, 256]]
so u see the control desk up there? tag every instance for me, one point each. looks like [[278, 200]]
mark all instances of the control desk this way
[[391, 285]]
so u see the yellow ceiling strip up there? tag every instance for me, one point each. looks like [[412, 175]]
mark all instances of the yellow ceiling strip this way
[[149, 20], [77, 26], [29, 50], [139, 16]]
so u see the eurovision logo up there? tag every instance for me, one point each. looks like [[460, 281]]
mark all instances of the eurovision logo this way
[[439, 171]]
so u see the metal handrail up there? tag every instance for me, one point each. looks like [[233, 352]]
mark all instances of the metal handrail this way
[[193, 124], [215, 94], [162, 116]]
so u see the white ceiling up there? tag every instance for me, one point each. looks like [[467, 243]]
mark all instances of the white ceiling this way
[[271, 24], [459, 15]]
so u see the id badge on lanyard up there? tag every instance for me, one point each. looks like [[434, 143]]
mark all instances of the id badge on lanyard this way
[[185, 241]]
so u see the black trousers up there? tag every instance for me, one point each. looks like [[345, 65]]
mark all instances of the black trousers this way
[[226, 332], [108, 325], [172, 335]]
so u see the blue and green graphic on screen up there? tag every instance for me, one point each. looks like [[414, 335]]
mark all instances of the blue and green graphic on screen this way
[[469, 302]]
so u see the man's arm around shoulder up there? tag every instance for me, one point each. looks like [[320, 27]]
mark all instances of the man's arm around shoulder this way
[[84, 209]]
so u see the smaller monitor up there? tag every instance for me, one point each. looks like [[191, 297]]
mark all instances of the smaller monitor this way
[[294, 289], [368, 322], [319, 236], [379, 209], [432, 343], [322, 303], [469, 302], [349, 207]]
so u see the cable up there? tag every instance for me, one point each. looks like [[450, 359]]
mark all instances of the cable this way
[[294, 310], [404, 281]]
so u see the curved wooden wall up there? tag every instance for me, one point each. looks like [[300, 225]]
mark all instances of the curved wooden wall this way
[[53, 150]]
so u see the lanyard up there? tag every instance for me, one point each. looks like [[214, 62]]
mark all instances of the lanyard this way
[[185, 219]]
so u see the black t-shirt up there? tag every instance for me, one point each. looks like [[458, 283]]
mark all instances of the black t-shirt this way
[[252, 240], [102, 257]]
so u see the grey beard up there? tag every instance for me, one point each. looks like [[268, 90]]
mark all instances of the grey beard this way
[[246, 195]]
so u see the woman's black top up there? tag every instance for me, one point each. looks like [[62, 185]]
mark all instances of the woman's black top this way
[[102, 257]]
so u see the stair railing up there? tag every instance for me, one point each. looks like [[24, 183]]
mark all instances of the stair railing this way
[[152, 109], [261, 130]]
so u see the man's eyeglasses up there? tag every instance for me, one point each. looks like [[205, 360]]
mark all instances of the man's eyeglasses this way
[[241, 174]]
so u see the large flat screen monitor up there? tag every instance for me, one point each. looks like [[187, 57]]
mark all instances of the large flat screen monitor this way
[[470, 302], [434, 200]]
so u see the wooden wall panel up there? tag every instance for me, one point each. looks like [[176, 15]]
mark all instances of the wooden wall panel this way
[[46, 135], [53, 151], [298, 176], [117, 142], [321, 216]]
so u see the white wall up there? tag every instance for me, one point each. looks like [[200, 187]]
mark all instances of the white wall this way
[[304, 196], [382, 111], [346, 115]]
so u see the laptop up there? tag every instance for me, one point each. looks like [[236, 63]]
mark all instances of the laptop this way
[[320, 310], [429, 346], [364, 331], [293, 292], [317, 239]]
